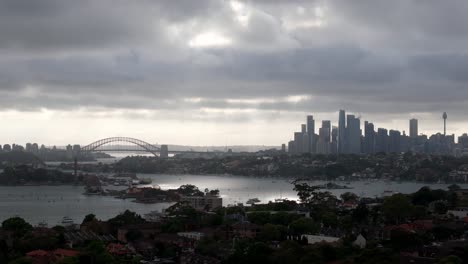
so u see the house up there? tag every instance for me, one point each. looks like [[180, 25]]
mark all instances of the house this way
[[459, 212], [192, 235], [245, 229], [462, 194], [207, 202], [313, 239], [192, 258], [360, 241], [147, 230], [39, 256], [60, 253], [117, 249]]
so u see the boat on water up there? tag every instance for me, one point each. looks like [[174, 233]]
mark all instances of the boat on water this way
[[153, 216], [42, 224], [67, 221], [145, 181], [388, 193], [253, 201]]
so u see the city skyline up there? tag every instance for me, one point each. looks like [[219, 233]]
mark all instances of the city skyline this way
[[351, 136], [401, 125], [230, 72]]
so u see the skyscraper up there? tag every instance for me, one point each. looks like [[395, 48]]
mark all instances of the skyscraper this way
[[353, 135], [394, 139], [311, 133], [381, 141], [444, 116], [369, 139], [413, 128], [341, 132], [298, 142], [334, 140], [327, 125]]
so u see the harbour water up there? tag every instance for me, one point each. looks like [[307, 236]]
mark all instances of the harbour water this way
[[51, 203]]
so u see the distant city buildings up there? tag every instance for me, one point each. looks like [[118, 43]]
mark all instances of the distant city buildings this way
[[348, 138], [413, 128]]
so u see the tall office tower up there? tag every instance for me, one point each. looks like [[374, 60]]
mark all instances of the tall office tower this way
[[413, 128], [311, 133], [463, 140], [381, 141], [334, 140], [327, 124], [298, 142], [394, 140], [334, 134], [323, 146], [291, 147], [303, 128], [405, 143], [444, 116], [353, 135], [341, 132], [369, 139]]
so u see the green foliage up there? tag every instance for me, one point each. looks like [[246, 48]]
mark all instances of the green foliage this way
[[270, 232], [329, 219], [450, 260], [22, 174], [69, 260], [425, 196], [125, 218], [89, 218], [133, 235], [22, 260], [401, 239], [372, 256], [348, 196], [397, 207], [304, 225], [17, 225], [96, 253], [361, 213], [190, 190]]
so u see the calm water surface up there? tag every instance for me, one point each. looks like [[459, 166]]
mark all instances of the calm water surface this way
[[52, 203]]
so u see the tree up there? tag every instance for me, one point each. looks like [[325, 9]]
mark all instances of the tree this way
[[96, 253], [89, 218], [17, 225], [304, 225], [311, 195], [452, 259], [454, 187], [133, 235], [23, 260], [440, 207], [361, 213], [348, 197], [397, 207], [189, 190], [271, 232]]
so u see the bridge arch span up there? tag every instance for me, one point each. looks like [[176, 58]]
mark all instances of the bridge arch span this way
[[142, 144]]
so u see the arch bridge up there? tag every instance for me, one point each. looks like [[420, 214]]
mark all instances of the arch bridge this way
[[121, 144]]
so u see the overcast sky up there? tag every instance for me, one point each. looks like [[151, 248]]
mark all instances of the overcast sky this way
[[220, 72]]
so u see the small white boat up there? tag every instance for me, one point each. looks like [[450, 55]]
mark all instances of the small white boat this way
[[67, 221]]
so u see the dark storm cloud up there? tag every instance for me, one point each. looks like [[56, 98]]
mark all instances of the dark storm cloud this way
[[369, 56]]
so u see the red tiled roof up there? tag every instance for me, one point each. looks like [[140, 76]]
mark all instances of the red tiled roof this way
[[117, 249], [37, 253], [66, 252]]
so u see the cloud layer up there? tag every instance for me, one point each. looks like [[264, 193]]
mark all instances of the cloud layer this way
[[202, 61]]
